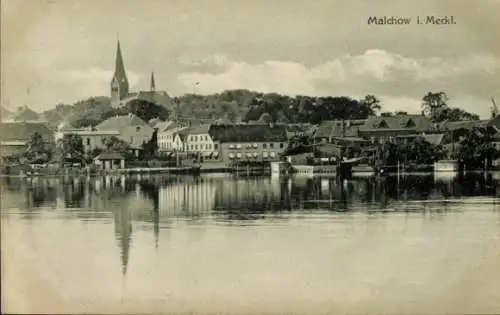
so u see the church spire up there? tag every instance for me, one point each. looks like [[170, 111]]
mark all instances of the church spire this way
[[153, 86], [119, 65], [119, 82]]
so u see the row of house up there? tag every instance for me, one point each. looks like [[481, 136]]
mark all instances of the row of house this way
[[225, 142], [363, 134]]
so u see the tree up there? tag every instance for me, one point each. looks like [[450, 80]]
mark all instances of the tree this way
[[37, 151], [422, 152], [477, 148], [119, 145], [298, 145], [71, 146], [151, 147], [93, 154], [433, 102], [372, 102], [418, 151], [386, 114], [435, 107], [145, 110]]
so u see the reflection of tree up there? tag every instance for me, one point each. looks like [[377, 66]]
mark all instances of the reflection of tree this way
[[250, 199], [151, 191], [73, 193]]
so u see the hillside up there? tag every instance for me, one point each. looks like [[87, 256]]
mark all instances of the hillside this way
[[234, 105]]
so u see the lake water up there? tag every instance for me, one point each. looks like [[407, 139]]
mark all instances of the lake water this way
[[414, 244]]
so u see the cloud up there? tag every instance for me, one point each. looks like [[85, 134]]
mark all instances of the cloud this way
[[211, 60], [402, 79], [91, 80]]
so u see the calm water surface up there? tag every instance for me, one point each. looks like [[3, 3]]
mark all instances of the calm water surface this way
[[219, 237]]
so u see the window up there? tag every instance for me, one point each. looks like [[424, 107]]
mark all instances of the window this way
[[206, 138], [271, 145], [264, 145], [195, 138], [216, 146], [282, 145], [138, 128], [196, 147], [88, 141]]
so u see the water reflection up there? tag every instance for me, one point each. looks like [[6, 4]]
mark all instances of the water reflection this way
[[155, 203]]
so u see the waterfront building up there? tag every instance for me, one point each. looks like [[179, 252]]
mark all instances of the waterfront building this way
[[379, 129], [130, 128], [169, 138], [199, 140], [91, 138], [249, 143], [14, 136]]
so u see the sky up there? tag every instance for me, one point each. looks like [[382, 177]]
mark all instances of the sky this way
[[61, 51]]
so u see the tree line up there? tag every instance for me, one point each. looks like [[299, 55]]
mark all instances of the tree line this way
[[251, 106]]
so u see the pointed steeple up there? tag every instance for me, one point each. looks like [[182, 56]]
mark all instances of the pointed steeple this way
[[153, 86], [119, 82], [119, 66]]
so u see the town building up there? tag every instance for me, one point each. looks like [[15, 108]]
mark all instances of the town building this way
[[91, 138], [14, 136], [379, 129], [22, 113], [130, 128], [199, 140], [457, 130], [110, 160], [168, 137], [249, 143]]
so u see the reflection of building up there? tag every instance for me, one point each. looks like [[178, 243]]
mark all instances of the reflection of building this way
[[191, 198], [123, 234], [253, 195]]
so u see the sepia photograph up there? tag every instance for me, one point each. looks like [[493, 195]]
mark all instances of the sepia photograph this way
[[250, 157]]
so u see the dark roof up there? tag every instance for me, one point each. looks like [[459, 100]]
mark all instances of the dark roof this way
[[201, 129], [23, 131], [110, 155], [400, 122], [120, 122], [468, 124], [333, 128], [248, 133]]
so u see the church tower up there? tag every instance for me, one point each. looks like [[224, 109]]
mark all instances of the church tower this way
[[153, 85], [119, 82]]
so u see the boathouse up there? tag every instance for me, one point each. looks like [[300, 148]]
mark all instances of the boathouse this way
[[110, 160]]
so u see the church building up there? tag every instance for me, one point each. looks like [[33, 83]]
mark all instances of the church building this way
[[120, 94]]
